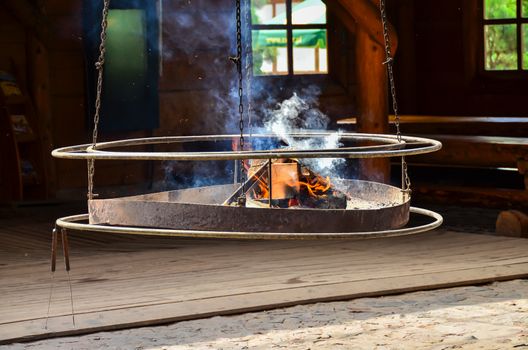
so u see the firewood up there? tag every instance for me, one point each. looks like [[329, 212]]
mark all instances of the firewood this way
[[512, 223], [294, 184]]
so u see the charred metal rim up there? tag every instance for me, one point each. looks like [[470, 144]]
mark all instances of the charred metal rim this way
[[73, 223], [390, 147]]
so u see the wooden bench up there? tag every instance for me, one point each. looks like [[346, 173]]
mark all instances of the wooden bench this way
[[494, 143], [450, 125]]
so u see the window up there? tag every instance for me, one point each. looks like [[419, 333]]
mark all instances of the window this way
[[130, 96], [505, 30], [289, 37]]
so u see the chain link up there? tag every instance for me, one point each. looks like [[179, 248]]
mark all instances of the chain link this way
[[389, 62], [249, 65], [99, 66], [240, 75], [238, 61]]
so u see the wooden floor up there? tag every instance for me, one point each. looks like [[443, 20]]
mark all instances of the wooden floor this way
[[123, 281]]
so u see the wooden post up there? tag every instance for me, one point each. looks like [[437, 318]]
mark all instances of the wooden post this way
[[372, 101], [362, 14]]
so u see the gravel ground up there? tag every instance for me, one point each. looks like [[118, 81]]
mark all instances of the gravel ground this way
[[493, 316]]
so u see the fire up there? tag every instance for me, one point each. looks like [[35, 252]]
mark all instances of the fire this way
[[317, 186], [288, 182], [263, 192]]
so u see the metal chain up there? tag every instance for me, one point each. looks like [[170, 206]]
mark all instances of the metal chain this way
[[249, 65], [389, 62], [238, 61], [240, 75], [99, 66]]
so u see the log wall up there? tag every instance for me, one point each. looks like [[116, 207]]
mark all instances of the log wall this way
[[438, 64], [195, 82]]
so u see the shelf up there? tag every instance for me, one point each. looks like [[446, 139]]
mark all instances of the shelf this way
[[25, 167]]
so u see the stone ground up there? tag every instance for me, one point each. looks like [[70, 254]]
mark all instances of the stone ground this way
[[493, 316]]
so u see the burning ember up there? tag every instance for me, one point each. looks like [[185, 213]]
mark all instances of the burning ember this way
[[293, 185]]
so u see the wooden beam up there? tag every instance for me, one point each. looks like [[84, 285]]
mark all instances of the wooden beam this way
[[372, 101], [454, 125], [366, 15], [482, 197], [363, 17], [477, 151]]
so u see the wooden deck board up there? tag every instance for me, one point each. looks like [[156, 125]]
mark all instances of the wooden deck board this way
[[125, 281]]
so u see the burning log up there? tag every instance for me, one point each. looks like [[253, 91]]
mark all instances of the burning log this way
[[320, 192], [249, 184]]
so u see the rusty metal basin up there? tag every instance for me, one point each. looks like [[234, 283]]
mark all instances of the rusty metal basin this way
[[374, 207]]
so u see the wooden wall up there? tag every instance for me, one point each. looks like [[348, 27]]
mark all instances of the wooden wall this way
[[70, 120], [194, 87], [12, 41], [197, 75], [434, 74], [198, 37], [436, 63]]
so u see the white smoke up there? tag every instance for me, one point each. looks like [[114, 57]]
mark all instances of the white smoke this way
[[299, 114]]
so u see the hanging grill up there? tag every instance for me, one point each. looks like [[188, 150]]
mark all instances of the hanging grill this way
[[206, 211], [222, 211]]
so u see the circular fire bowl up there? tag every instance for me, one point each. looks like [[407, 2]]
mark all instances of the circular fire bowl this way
[[374, 206]]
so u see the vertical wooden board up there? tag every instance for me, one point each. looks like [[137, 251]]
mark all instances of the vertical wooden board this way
[[67, 70], [39, 69], [69, 124], [406, 58], [11, 188], [338, 49], [68, 82], [11, 31], [66, 32]]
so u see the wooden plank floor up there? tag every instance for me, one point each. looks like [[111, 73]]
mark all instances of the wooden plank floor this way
[[124, 281]]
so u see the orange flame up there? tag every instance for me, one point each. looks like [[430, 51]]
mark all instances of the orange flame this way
[[317, 186], [263, 186]]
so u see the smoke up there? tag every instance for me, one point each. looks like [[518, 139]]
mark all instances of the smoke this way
[[302, 113], [201, 40]]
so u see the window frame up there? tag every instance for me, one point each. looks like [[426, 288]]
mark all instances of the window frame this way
[[519, 72], [290, 27]]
